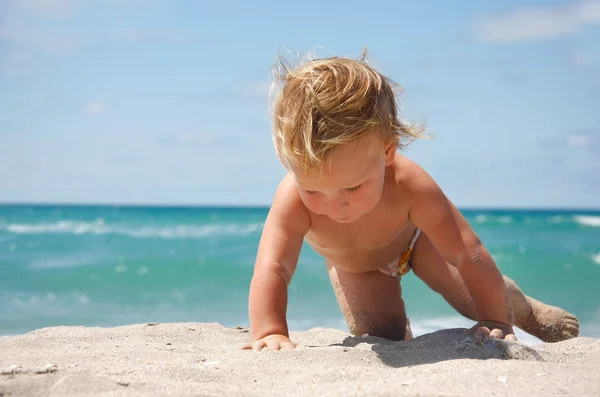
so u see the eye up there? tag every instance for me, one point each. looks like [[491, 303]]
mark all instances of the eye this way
[[312, 193], [353, 189]]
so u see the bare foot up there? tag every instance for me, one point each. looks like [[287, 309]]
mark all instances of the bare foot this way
[[549, 323]]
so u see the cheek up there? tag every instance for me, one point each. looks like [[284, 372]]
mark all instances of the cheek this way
[[312, 203], [367, 200]]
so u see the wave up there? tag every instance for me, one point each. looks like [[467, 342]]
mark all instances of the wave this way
[[501, 219], [63, 262], [99, 227], [587, 220], [495, 219]]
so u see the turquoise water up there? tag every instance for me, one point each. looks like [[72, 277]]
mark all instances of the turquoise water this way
[[94, 265]]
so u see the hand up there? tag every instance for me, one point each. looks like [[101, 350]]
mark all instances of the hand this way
[[272, 342], [494, 330]]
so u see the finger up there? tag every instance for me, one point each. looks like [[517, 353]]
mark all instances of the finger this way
[[273, 344], [496, 334], [482, 332], [258, 346], [511, 337], [288, 345]]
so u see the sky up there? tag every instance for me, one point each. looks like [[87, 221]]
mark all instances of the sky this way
[[166, 101]]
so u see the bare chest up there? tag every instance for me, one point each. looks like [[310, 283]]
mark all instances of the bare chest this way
[[371, 233]]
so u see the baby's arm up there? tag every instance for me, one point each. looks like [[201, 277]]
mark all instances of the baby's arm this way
[[278, 252], [458, 244]]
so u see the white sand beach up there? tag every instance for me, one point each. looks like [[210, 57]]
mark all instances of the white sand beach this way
[[201, 359]]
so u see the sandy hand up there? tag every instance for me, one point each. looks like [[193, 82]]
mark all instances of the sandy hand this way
[[271, 342], [494, 330], [549, 323]]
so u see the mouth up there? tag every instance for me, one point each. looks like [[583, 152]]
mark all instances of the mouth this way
[[342, 220]]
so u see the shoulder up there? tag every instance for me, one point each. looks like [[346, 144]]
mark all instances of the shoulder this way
[[287, 193], [287, 205], [410, 179], [419, 192], [428, 205]]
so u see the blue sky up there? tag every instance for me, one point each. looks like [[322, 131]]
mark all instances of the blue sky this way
[[156, 101]]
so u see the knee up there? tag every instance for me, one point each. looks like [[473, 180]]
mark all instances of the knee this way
[[392, 328]]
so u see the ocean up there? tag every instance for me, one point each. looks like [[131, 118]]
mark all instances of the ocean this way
[[116, 265]]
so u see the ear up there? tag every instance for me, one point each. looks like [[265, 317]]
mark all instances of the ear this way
[[390, 152]]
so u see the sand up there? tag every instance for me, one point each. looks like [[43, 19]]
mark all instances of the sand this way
[[200, 359]]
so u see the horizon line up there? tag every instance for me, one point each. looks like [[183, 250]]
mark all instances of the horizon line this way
[[262, 206]]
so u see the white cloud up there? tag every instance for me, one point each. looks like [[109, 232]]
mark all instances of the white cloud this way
[[46, 41], [65, 8], [28, 24], [538, 23], [578, 140], [20, 35], [66, 40], [580, 59], [194, 139], [257, 89], [46, 8], [137, 36], [96, 107], [186, 139]]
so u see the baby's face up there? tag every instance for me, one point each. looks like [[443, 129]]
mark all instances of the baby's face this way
[[350, 183]]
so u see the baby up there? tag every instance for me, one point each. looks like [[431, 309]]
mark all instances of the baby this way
[[373, 215]]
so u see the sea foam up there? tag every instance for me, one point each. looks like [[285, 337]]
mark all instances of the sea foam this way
[[100, 227], [587, 220]]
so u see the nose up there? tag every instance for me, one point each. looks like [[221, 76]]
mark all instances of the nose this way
[[337, 207]]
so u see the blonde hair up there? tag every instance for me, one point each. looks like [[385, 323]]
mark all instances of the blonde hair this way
[[325, 103]]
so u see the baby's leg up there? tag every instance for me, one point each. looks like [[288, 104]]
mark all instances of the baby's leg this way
[[370, 302], [549, 323]]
